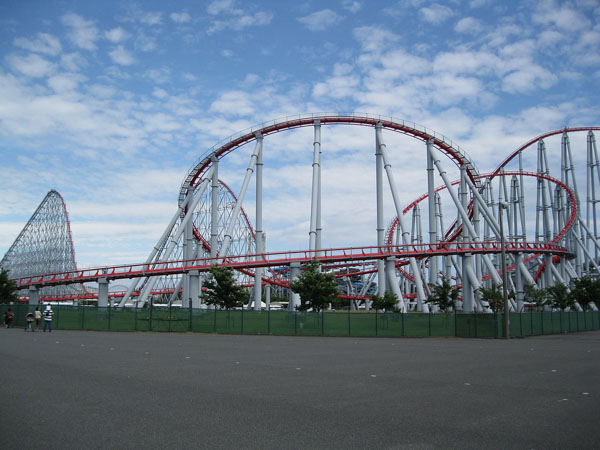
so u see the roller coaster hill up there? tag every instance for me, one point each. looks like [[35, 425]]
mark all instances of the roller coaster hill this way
[[528, 208]]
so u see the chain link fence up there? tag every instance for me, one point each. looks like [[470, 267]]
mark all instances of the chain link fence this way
[[327, 323]]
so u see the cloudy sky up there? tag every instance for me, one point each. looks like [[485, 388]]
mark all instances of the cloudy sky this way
[[112, 102]]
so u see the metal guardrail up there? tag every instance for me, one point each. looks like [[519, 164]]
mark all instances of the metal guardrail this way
[[333, 255]]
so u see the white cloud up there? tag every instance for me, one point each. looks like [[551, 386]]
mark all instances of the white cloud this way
[[562, 16], [116, 35], [374, 39], [321, 20], [65, 82], [121, 56], [223, 6], [160, 75], [528, 78], [72, 61], [468, 25], [352, 5], [43, 43], [235, 103], [183, 17], [83, 33], [31, 65], [240, 22], [436, 13], [150, 18]]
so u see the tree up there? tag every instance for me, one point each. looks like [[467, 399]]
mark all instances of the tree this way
[[534, 295], [386, 302], [316, 289], [585, 290], [559, 296], [493, 296], [443, 294], [8, 288], [221, 289]]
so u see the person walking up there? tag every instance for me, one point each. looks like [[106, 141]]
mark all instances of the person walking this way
[[8, 318], [38, 318], [48, 319]]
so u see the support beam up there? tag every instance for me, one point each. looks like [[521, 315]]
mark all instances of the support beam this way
[[259, 230], [34, 295], [421, 305], [102, 292], [315, 201]]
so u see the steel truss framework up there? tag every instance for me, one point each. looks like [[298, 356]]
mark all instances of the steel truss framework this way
[[550, 237], [44, 245]]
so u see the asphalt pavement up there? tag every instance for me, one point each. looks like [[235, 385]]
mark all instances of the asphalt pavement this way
[[83, 389]]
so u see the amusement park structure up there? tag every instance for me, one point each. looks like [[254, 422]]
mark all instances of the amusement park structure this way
[[521, 224]]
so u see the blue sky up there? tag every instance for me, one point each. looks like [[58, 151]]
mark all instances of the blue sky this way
[[110, 103]]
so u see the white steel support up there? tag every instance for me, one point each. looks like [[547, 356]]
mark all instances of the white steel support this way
[[160, 244], [177, 235], [294, 297], [380, 224], [194, 298], [433, 237], [102, 292], [316, 188], [465, 218], [421, 305], [466, 265], [34, 295], [214, 209], [238, 204], [392, 282], [188, 253], [259, 230]]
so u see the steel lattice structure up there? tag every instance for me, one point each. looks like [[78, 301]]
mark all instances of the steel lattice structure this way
[[455, 229], [44, 245]]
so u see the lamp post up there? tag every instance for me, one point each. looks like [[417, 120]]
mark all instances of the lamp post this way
[[502, 206]]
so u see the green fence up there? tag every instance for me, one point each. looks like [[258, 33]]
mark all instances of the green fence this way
[[328, 323]]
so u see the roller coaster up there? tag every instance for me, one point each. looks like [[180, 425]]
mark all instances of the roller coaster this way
[[527, 208]]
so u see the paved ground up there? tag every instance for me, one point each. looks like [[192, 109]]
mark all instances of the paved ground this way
[[78, 389]]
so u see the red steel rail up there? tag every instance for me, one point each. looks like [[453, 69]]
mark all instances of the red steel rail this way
[[328, 256]]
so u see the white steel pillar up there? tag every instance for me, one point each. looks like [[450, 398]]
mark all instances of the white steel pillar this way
[[316, 188], [188, 252], [294, 297], [214, 209], [421, 305], [259, 230], [102, 292], [194, 298], [34, 295], [433, 238], [380, 224], [235, 214]]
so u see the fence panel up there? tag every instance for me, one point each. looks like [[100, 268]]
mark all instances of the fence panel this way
[[363, 324], [123, 319], [96, 318], [390, 324], [256, 322], [442, 325], [417, 325], [336, 323], [309, 324], [283, 322], [229, 322], [347, 323]]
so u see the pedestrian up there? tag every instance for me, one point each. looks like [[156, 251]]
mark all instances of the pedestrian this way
[[48, 319], [29, 320], [38, 318], [8, 318]]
